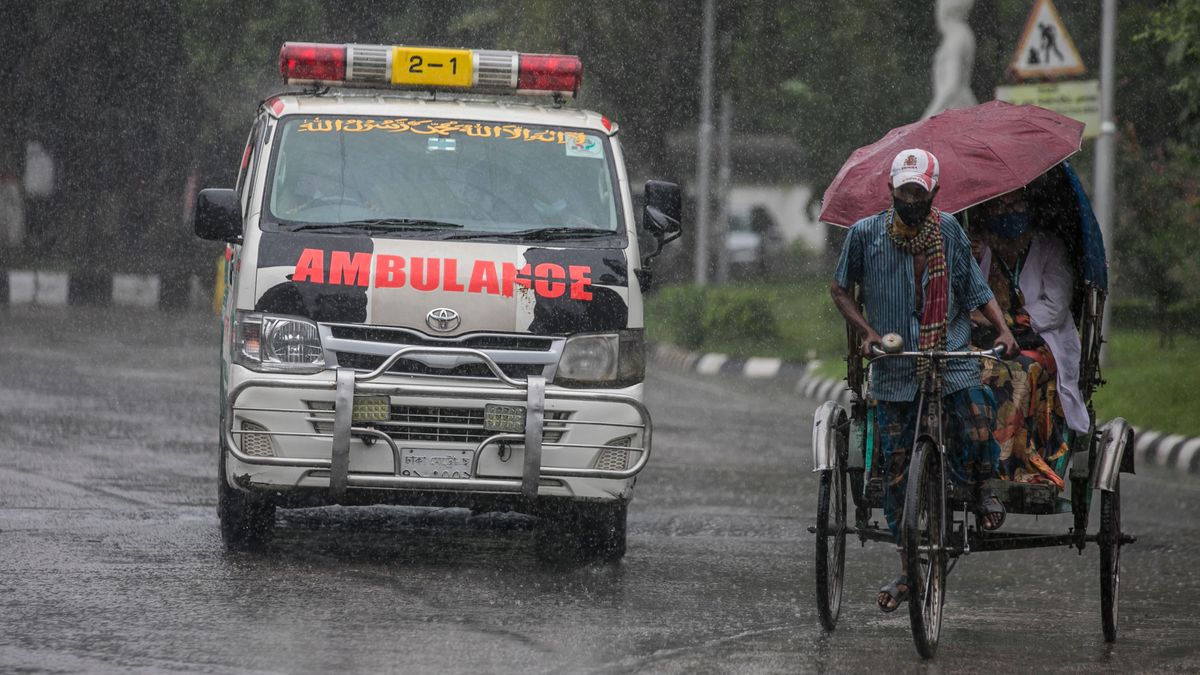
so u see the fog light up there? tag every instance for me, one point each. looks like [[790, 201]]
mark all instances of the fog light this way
[[371, 409], [506, 418]]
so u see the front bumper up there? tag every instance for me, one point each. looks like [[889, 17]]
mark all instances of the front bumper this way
[[324, 448]]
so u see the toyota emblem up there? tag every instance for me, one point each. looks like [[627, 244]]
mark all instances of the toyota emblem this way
[[442, 319]]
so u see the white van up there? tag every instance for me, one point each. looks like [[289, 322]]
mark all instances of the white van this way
[[433, 297]]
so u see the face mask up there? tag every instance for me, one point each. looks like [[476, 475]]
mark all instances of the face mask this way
[[1009, 225], [912, 213]]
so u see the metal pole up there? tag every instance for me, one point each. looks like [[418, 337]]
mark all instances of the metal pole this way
[[704, 144], [724, 130], [1104, 147]]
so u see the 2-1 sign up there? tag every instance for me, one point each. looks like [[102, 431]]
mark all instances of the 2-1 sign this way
[[430, 67]]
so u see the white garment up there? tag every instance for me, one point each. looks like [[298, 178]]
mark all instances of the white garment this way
[[1047, 284]]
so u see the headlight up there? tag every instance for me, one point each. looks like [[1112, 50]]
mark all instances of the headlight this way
[[603, 360], [277, 344]]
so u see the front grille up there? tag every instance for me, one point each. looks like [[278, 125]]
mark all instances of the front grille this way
[[410, 367], [407, 338], [420, 423], [440, 424]]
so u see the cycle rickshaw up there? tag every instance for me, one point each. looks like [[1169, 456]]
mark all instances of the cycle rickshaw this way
[[936, 531]]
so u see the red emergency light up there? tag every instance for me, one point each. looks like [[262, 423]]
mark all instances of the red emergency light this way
[[401, 67]]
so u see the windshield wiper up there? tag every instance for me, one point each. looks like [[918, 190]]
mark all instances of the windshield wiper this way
[[540, 234], [382, 225]]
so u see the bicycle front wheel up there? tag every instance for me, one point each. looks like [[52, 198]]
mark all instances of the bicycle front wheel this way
[[924, 535]]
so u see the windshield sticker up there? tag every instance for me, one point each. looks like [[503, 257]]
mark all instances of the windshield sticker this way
[[427, 127], [481, 277], [582, 145], [438, 143]]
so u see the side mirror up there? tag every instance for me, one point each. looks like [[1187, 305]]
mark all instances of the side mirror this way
[[662, 214], [218, 215]]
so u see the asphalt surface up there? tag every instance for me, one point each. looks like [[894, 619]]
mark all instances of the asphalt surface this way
[[110, 560]]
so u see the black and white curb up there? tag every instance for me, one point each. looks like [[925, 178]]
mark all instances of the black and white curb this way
[[53, 288], [1172, 451], [754, 368], [1169, 450]]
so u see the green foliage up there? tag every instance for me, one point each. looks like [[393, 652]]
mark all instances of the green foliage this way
[[1176, 27], [794, 321], [732, 313], [1149, 386], [1157, 239]]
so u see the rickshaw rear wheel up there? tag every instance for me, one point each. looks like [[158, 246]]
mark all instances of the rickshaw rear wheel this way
[[831, 545], [1110, 559], [924, 547]]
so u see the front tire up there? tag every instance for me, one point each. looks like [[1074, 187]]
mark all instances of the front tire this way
[[924, 547], [247, 520], [831, 545], [1110, 560]]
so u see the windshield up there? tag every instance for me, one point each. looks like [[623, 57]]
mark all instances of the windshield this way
[[397, 174]]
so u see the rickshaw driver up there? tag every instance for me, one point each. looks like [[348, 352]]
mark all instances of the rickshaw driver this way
[[885, 254]]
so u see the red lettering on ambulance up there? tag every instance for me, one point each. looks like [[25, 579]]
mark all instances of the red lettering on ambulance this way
[[350, 271], [483, 278], [511, 276], [311, 266], [450, 275], [425, 273], [389, 271], [551, 281], [581, 278]]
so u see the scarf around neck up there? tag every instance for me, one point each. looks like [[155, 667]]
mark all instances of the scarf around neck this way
[[928, 239]]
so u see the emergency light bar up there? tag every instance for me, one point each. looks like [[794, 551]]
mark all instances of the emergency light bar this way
[[400, 67]]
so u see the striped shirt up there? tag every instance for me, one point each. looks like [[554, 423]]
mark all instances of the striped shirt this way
[[885, 272]]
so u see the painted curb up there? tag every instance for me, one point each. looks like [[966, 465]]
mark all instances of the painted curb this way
[[1172, 451], [53, 288]]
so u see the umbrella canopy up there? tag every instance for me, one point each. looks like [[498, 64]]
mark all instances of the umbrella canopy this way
[[984, 151]]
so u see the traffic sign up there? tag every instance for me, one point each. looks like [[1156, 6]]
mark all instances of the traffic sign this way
[[1045, 49], [1077, 99]]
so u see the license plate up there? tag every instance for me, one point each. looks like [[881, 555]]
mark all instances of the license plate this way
[[424, 463], [510, 418], [432, 67]]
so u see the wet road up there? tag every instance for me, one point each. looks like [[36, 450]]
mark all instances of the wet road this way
[[110, 560]]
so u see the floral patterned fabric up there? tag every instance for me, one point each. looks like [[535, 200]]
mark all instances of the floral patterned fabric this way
[[1030, 427]]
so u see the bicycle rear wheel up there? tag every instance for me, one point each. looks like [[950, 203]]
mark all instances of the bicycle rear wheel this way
[[924, 546], [831, 545]]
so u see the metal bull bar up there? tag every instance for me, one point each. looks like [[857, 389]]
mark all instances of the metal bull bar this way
[[349, 382]]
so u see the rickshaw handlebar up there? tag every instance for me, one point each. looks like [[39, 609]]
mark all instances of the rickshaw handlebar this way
[[893, 345]]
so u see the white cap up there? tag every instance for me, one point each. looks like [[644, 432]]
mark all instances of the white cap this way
[[915, 166]]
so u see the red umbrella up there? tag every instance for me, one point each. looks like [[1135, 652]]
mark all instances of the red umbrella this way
[[984, 151]]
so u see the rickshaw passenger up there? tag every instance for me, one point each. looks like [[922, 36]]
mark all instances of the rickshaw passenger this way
[[885, 254], [1030, 274]]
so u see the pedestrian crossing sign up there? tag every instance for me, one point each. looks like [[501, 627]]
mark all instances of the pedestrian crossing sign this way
[[1046, 49]]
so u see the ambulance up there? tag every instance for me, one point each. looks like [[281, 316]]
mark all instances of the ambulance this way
[[434, 295]]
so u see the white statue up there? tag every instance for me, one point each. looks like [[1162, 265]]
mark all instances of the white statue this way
[[954, 59]]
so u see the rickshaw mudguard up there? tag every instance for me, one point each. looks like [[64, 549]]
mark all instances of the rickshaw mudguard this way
[[829, 418], [1115, 455]]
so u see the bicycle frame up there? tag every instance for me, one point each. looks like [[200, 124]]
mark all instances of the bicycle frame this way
[[930, 407]]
